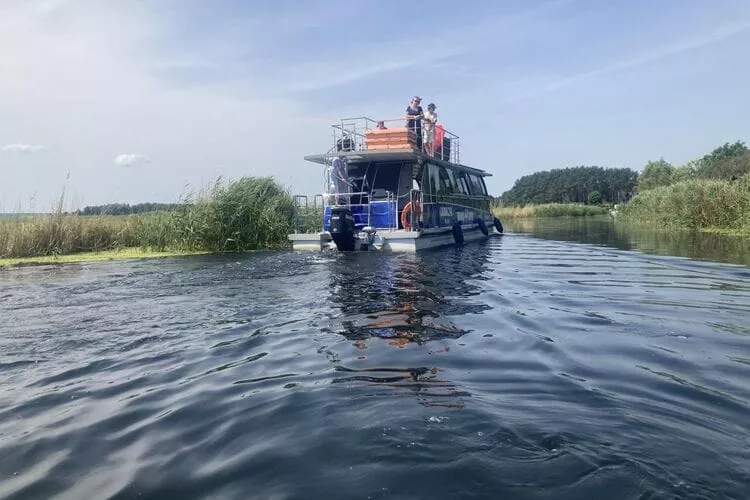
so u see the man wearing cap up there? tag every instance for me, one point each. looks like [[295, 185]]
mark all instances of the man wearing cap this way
[[414, 115]]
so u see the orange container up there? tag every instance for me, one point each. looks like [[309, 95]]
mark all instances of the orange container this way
[[392, 138], [393, 145]]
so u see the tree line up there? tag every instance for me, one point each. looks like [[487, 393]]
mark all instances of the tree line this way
[[595, 185], [126, 209], [589, 185], [727, 162]]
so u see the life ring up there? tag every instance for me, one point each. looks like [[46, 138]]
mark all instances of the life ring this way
[[458, 233], [482, 226], [405, 213], [498, 225]]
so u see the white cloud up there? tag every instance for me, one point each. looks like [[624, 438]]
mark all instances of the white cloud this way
[[130, 159], [23, 148], [91, 83]]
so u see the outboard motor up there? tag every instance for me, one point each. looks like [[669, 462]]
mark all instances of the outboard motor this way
[[342, 228]]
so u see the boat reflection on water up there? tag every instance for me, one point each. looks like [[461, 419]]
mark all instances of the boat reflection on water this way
[[408, 300]]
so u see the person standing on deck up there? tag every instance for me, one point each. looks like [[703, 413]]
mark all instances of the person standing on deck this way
[[339, 178], [414, 115], [430, 119]]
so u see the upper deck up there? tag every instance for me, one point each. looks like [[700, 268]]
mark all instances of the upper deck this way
[[363, 139]]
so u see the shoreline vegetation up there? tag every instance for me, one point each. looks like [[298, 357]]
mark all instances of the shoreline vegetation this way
[[248, 214], [547, 210], [709, 194], [708, 205]]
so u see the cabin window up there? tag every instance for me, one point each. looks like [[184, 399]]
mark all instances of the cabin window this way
[[433, 180], [462, 185], [428, 186], [477, 185], [446, 181], [483, 185], [384, 176]]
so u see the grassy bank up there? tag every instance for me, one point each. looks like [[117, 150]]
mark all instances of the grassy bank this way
[[248, 214], [59, 234], [547, 210], [698, 204]]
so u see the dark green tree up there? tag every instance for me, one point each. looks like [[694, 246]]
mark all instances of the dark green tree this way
[[595, 197], [572, 185], [725, 162], [655, 174]]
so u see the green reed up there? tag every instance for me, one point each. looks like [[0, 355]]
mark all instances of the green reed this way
[[547, 210], [247, 214], [59, 233], [693, 204]]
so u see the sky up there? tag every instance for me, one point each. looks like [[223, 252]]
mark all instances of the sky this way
[[130, 101]]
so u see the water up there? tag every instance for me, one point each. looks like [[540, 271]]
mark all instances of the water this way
[[601, 230], [529, 366]]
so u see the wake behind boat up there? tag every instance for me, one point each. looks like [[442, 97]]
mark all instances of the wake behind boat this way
[[385, 190]]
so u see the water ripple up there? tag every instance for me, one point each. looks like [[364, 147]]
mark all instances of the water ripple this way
[[520, 367]]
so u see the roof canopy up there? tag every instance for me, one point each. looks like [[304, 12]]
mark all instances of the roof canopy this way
[[366, 155]]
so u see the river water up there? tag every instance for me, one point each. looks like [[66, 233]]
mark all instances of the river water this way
[[548, 363]]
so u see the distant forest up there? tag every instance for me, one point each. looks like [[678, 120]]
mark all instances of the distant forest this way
[[597, 185], [590, 185], [125, 209]]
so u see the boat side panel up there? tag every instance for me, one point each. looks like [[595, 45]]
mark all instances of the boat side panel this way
[[427, 241], [434, 215]]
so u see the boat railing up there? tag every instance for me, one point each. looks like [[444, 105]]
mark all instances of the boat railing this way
[[351, 134], [307, 215]]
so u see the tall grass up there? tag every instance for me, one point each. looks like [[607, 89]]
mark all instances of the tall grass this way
[[247, 214], [693, 204], [58, 234], [547, 210]]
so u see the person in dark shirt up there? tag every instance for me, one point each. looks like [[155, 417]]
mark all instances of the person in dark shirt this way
[[414, 115]]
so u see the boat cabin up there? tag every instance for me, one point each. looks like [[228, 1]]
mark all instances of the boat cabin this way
[[397, 183]]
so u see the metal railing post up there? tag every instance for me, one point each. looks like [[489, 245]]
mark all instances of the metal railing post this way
[[297, 206]]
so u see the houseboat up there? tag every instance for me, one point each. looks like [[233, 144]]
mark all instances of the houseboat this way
[[395, 194]]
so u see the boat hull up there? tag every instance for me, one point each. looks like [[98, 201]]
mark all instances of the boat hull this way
[[393, 241]]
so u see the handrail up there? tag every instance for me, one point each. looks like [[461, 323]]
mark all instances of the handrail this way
[[350, 134]]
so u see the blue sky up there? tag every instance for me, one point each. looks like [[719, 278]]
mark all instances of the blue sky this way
[[133, 101]]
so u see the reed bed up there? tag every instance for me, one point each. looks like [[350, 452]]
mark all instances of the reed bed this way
[[59, 234], [547, 210], [693, 204], [247, 214]]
